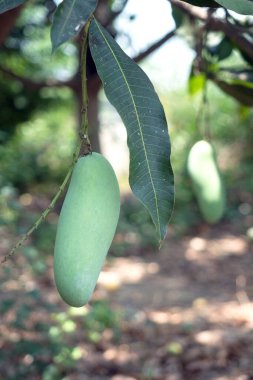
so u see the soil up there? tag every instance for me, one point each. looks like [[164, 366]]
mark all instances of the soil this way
[[183, 312], [192, 308]]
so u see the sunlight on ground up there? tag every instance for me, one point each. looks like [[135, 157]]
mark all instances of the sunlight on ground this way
[[152, 314], [125, 271], [200, 248]]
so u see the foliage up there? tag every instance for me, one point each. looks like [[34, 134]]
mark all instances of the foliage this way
[[41, 149], [134, 97], [230, 132], [69, 18], [37, 147], [151, 176], [156, 163], [27, 54]]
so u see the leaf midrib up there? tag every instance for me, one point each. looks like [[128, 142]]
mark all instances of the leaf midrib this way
[[139, 125]]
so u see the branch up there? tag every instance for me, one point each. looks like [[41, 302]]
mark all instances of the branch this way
[[36, 86], [215, 24], [155, 46], [48, 209]]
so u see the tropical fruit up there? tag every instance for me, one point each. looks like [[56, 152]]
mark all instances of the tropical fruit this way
[[207, 183], [86, 227]]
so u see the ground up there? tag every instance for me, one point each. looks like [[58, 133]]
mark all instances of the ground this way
[[183, 312]]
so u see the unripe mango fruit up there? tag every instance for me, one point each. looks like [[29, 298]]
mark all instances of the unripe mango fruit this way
[[86, 228], [207, 183]]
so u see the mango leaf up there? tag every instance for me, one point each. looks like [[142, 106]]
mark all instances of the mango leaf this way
[[239, 77], [203, 3], [196, 83], [6, 5], [223, 50], [244, 7], [69, 18], [236, 83], [178, 16], [243, 95], [130, 91]]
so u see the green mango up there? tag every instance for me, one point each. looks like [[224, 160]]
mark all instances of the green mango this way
[[86, 228], [207, 183]]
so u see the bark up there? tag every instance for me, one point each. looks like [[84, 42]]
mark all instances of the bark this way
[[7, 20]]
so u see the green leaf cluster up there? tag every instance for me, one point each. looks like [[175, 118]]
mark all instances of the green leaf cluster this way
[[133, 95], [130, 91]]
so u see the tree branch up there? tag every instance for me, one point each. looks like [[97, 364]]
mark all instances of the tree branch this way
[[36, 86], [215, 24], [154, 46]]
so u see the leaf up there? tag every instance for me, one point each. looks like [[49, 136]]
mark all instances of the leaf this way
[[203, 3], [130, 91], [239, 77], [244, 7], [178, 16], [238, 84], [223, 50], [243, 95], [69, 18], [196, 83], [6, 5], [244, 112]]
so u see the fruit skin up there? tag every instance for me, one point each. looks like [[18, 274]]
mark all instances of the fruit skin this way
[[86, 227], [207, 183]]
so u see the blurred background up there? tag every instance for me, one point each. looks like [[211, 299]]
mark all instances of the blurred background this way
[[183, 311]]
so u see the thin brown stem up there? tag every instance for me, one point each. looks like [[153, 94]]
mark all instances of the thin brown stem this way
[[46, 212], [86, 147], [154, 46], [36, 85]]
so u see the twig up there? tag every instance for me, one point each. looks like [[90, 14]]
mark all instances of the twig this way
[[215, 24], [82, 148], [154, 46], [46, 212], [83, 133], [36, 85]]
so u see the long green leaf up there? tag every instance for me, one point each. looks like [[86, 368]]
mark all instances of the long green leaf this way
[[130, 91], [203, 3], [69, 18], [236, 83], [240, 6], [6, 5]]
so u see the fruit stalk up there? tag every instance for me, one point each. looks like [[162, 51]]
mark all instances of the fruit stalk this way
[[83, 133]]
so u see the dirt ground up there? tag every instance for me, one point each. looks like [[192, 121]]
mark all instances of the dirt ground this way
[[192, 307], [183, 313]]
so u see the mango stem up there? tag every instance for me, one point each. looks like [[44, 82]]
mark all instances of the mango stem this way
[[83, 133]]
